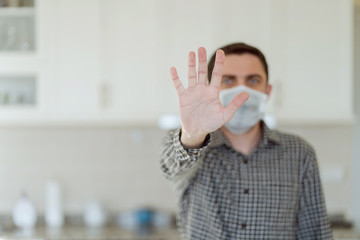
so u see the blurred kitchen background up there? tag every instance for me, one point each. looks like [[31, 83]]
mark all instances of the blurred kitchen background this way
[[85, 85]]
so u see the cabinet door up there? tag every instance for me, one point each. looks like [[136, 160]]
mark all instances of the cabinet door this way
[[308, 47], [70, 52], [187, 25], [316, 76], [130, 40]]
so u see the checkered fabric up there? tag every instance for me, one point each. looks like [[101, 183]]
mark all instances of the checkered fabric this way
[[273, 193]]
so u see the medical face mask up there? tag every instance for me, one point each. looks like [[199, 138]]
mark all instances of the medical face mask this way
[[249, 113]]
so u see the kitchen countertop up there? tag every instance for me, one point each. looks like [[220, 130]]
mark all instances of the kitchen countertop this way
[[81, 232], [116, 233], [345, 234]]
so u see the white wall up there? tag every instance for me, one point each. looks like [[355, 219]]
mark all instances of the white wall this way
[[121, 166], [117, 166], [355, 213]]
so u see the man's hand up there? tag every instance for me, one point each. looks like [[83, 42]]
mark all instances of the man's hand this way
[[201, 111]]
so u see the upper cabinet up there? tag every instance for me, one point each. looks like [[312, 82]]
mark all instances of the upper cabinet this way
[[17, 26], [19, 62], [71, 56], [131, 35], [49, 60], [312, 61], [308, 45], [102, 61]]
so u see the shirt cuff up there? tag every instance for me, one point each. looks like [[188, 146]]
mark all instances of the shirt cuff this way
[[190, 151]]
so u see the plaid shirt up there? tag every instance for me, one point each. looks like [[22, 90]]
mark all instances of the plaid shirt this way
[[273, 193]]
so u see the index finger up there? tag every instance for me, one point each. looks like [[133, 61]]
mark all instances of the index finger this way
[[176, 81], [217, 70]]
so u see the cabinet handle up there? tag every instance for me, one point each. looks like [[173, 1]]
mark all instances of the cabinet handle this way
[[104, 94]]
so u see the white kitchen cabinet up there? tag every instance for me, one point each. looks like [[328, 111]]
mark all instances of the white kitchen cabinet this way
[[107, 61], [65, 63], [71, 44], [187, 25], [130, 66], [308, 45], [313, 71], [18, 61]]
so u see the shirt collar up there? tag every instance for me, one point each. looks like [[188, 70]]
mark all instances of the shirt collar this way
[[218, 138], [269, 135]]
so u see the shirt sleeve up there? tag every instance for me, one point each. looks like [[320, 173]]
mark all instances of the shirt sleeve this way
[[177, 163], [312, 218]]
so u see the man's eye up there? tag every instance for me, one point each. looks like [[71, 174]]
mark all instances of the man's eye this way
[[227, 81], [253, 81]]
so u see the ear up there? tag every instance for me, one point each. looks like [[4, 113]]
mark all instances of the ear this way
[[268, 90]]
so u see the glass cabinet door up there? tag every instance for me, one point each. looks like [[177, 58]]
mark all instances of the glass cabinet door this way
[[17, 28], [17, 39]]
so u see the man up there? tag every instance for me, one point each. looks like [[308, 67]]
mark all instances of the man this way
[[236, 178]]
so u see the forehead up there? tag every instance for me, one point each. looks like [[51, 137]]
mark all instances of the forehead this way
[[236, 64]]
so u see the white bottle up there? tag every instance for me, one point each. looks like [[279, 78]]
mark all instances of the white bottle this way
[[54, 215], [24, 214], [94, 214]]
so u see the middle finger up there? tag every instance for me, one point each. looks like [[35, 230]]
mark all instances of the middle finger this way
[[202, 69], [191, 69]]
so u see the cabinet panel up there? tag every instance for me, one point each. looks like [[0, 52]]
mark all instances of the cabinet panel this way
[[308, 46], [141, 40], [319, 61], [212, 24], [74, 55], [110, 59], [186, 25], [129, 58]]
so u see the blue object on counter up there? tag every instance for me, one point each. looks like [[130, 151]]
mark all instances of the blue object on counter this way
[[143, 221], [144, 216]]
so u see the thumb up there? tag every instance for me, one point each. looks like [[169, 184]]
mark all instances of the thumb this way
[[230, 109]]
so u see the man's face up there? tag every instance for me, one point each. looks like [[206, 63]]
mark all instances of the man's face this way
[[244, 69]]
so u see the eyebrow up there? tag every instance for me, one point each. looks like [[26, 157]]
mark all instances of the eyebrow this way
[[247, 76], [229, 76], [254, 76]]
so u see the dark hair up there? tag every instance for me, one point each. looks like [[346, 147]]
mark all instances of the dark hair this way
[[239, 48]]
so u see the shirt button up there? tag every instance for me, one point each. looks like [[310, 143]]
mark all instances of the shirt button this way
[[245, 161], [243, 226], [246, 191]]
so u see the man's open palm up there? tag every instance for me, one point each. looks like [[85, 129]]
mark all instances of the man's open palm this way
[[201, 111]]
